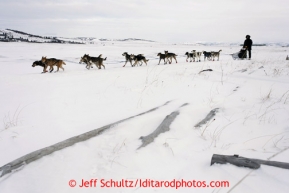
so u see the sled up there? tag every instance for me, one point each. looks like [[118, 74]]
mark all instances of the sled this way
[[242, 54]]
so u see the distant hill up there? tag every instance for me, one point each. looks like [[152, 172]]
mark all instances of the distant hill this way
[[10, 35]]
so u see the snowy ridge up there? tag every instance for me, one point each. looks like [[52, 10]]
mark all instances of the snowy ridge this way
[[15, 35]]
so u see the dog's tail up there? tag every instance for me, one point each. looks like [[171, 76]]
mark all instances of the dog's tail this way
[[220, 51], [147, 60], [104, 59], [63, 62]]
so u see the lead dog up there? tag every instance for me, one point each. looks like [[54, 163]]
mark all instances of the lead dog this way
[[39, 63], [170, 56], [98, 61], [216, 54], [52, 62], [127, 59]]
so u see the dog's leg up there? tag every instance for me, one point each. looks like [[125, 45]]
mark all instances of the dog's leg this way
[[124, 63], [44, 69], [89, 65], [51, 69], [175, 59], [57, 69], [137, 63], [166, 58], [100, 63]]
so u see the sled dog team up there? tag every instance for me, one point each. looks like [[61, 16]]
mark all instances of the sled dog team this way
[[131, 58]]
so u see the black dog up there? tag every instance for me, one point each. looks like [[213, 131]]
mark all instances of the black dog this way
[[138, 58], [162, 57], [207, 55], [40, 63], [127, 59]]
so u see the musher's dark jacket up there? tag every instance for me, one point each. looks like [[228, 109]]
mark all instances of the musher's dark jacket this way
[[248, 43]]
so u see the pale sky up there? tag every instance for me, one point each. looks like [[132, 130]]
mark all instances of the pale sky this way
[[173, 21]]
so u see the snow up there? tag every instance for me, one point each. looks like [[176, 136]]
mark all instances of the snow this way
[[39, 110]]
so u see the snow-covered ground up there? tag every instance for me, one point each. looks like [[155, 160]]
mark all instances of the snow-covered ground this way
[[39, 110]]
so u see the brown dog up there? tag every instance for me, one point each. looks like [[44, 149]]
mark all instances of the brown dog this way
[[52, 62]]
